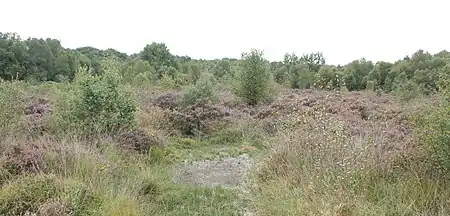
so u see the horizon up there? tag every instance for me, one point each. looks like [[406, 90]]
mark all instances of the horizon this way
[[343, 31]]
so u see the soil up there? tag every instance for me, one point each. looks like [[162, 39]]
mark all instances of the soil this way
[[225, 172]]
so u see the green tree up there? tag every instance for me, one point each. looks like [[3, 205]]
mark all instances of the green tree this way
[[135, 67], [255, 79], [314, 61], [329, 77], [158, 55], [379, 73], [13, 57], [301, 77], [100, 103], [202, 90], [281, 75], [356, 74]]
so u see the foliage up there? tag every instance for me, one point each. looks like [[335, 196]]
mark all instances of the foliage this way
[[202, 90], [433, 127], [255, 78], [137, 71], [301, 77], [356, 74], [99, 103], [329, 77], [27, 194], [281, 75], [37, 60], [12, 104], [314, 61], [221, 68], [158, 55]]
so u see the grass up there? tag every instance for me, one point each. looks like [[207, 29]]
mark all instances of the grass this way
[[318, 169], [315, 166], [106, 181]]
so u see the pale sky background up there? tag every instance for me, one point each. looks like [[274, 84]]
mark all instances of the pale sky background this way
[[344, 30]]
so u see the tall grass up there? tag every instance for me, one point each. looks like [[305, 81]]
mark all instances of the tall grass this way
[[64, 173], [318, 169]]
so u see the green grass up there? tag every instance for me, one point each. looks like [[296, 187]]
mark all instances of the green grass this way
[[109, 182], [313, 168]]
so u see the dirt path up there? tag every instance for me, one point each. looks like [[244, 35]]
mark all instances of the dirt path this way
[[225, 172], [228, 172]]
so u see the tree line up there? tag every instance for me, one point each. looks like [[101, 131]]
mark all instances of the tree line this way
[[46, 60]]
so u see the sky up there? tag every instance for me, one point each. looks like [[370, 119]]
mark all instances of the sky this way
[[343, 30]]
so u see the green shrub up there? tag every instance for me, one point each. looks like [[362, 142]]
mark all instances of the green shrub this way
[[407, 90], [255, 79], [329, 77], [371, 85], [167, 82], [12, 105], [141, 80], [281, 75], [301, 77], [96, 104], [204, 89], [433, 127]]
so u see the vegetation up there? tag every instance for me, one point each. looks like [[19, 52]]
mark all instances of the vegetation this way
[[255, 78], [99, 132]]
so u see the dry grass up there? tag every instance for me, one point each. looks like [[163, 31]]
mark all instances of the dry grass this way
[[321, 166], [66, 175], [331, 153]]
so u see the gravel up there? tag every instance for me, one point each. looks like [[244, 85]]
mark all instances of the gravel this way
[[226, 172]]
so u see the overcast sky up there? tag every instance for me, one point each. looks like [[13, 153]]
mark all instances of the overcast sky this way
[[344, 30]]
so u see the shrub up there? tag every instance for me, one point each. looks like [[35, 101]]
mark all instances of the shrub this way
[[139, 141], [301, 77], [12, 104], [329, 77], [168, 100], [99, 104], [407, 90], [202, 90], [25, 159], [198, 119], [281, 75], [433, 127], [254, 79], [167, 82]]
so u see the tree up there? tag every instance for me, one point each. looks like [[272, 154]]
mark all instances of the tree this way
[[301, 77], [13, 56], [329, 77], [356, 74], [137, 67], [379, 74], [255, 78], [158, 55], [314, 61]]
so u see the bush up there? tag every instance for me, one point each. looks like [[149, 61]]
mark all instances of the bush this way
[[97, 104], [254, 79], [198, 119], [12, 104], [167, 82], [407, 90], [433, 127], [202, 90], [301, 77], [329, 78]]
